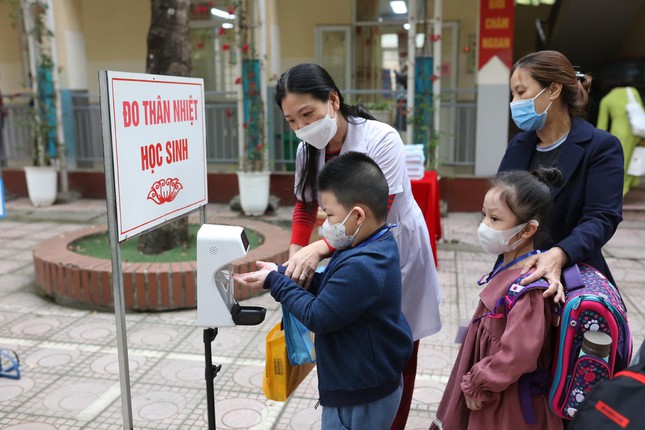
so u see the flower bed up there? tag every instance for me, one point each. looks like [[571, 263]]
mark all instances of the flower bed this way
[[73, 279]]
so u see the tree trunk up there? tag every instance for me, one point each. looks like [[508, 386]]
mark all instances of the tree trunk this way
[[169, 53]]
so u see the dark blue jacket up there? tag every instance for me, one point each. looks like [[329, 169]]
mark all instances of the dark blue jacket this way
[[354, 308], [588, 207]]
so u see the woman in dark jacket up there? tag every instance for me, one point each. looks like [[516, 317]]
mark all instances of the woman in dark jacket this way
[[549, 97]]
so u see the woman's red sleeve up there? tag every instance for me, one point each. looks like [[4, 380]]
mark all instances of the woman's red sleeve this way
[[302, 224]]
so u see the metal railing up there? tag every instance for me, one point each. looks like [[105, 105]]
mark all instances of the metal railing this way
[[17, 135], [82, 125], [458, 127]]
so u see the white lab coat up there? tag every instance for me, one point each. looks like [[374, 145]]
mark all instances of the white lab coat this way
[[420, 295]]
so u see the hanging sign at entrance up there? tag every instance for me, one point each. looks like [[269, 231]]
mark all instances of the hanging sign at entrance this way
[[158, 147], [496, 31]]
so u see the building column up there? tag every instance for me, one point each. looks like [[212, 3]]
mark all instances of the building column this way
[[495, 61]]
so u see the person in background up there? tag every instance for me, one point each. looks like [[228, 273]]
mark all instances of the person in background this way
[[549, 98], [354, 308], [502, 351], [612, 117], [315, 109]]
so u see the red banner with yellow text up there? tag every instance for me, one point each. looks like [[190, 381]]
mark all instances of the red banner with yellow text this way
[[496, 31]]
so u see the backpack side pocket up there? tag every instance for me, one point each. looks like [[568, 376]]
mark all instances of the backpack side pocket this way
[[588, 370]]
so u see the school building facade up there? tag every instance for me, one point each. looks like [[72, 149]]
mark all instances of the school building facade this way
[[364, 44]]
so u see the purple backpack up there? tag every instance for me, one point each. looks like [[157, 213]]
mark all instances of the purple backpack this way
[[592, 303]]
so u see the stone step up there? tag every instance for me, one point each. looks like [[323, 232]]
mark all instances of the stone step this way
[[634, 213], [634, 204]]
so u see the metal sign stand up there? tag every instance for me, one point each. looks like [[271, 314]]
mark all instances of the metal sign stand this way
[[106, 83], [117, 272]]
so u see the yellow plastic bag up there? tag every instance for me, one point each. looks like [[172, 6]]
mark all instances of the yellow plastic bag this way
[[281, 378]]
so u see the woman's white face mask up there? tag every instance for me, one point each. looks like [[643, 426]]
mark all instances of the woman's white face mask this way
[[320, 132], [497, 241]]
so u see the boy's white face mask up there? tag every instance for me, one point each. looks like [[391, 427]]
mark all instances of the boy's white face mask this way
[[335, 235], [497, 241]]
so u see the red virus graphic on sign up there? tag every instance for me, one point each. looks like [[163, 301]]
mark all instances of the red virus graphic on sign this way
[[164, 190]]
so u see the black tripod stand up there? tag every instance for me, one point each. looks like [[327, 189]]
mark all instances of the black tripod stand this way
[[242, 315], [211, 373]]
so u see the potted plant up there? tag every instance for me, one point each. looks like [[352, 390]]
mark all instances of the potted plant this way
[[253, 175], [41, 177], [382, 111]]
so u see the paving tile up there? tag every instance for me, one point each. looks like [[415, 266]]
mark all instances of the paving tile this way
[[18, 421], [10, 266], [14, 282], [38, 327], [104, 364], [155, 337]]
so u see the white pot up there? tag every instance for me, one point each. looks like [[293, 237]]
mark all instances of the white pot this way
[[42, 184], [254, 192]]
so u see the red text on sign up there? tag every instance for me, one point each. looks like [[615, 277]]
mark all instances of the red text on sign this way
[[156, 111], [152, 155], [177, 150], [159, 111], [130, 114], [185, 110]]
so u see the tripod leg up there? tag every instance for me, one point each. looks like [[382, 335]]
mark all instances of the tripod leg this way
[[211, 372]]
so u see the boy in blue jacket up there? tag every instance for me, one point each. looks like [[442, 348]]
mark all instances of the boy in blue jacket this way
[[354, 307]]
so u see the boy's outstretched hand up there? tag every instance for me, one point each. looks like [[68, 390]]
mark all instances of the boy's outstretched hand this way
[[255, 279]]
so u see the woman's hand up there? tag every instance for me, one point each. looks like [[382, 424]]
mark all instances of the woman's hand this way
[[473, 404], [302, 264], [255, 279], [548, 265]]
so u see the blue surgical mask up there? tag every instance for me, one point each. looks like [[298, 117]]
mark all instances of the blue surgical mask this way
[[524, 114]]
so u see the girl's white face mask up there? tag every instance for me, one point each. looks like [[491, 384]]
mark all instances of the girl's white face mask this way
[[335, 235], [319, 133], [497, 241]]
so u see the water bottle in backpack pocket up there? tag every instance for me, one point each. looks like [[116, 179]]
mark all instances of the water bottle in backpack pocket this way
[[615, 403], [591, 366]]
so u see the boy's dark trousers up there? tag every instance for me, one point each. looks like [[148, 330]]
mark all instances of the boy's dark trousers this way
[[409, 373]]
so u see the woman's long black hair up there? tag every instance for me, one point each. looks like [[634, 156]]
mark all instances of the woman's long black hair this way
[[313, 80]]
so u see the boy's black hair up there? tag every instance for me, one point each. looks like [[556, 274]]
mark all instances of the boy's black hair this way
[[355, 178]]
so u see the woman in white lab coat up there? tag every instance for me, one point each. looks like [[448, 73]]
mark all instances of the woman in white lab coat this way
[[313, 106]]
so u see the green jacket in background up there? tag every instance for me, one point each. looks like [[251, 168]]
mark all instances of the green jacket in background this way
[[613, 118]]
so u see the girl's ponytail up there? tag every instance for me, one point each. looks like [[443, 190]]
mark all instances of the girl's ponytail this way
[[551, 176]]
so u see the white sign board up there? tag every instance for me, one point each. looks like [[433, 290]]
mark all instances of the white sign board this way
[[158, 148]]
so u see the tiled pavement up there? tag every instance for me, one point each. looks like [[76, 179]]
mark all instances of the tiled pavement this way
[[70, 373]]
